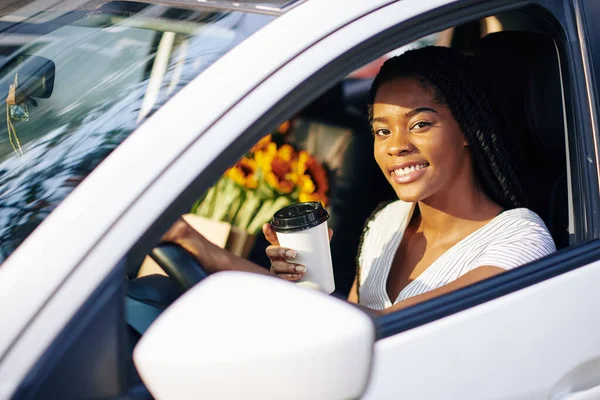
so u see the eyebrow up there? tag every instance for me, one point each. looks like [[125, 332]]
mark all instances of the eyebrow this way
[[379, 119], [409, 114], [419, 110]]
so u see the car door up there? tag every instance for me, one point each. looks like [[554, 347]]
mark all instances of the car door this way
[[527, 330]]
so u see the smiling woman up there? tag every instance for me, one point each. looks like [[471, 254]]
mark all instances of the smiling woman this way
[[438, 140]]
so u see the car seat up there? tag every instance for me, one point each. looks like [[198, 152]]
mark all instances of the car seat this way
[[524, 74]]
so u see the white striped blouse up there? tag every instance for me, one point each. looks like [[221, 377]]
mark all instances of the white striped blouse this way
[[513, 238]]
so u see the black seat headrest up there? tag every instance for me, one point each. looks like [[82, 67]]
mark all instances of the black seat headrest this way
[[524, 73]]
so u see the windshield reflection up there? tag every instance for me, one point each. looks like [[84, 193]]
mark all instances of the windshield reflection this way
[[111, 73]]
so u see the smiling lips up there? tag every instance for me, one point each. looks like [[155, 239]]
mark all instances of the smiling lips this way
[[408, 172]]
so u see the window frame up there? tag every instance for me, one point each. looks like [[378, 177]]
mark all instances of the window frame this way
[[587, 13]]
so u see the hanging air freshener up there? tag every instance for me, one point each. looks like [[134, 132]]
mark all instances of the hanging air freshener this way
[[19, 112], [15, 111]]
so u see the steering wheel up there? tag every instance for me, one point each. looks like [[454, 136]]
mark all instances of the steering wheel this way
[[147, 297], [178, 264]]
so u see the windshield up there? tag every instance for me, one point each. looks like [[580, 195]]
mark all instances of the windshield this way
[[76, 83]]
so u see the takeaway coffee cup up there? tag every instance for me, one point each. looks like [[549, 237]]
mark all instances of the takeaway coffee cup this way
[[303, 227]]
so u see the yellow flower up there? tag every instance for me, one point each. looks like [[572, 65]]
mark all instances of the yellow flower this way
[[305, 184], [304, 197], [265, 156], [244, 173], [286, 152]]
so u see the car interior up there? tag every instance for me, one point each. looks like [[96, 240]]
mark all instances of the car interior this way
[[519, 52]]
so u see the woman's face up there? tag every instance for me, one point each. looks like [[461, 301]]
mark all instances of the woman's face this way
[[419, 146]]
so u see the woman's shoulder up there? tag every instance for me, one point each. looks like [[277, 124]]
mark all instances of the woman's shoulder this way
[[384, 211], [515, 237], [384, 222], [515, 224], [521, 217]]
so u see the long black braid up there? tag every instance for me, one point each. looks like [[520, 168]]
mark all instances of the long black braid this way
[[457, 83]]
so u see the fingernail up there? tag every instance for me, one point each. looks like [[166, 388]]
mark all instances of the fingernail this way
[[296, 276], [300, 268], [291, 254]]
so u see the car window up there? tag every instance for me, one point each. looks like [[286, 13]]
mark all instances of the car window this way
[[78, 83], [353, 189]]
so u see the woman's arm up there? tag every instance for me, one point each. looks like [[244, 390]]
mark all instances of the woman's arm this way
[[476, 275], [353, 295], [215, 259], [210, 256]]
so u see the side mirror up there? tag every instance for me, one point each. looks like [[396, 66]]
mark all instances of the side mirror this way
[[35, 76], [239, 335]]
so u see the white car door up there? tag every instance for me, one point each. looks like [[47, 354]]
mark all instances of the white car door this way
[[516, 336]]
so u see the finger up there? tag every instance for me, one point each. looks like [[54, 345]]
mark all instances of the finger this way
[[330, 231], [290, 277], [276, 253], [282, 267], [270, 235]]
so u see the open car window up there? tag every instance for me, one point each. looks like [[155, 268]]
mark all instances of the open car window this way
[[81, 83]]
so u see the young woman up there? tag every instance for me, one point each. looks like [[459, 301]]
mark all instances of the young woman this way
[[460, 216]]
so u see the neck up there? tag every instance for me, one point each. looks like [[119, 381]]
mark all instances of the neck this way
[[441, 215]]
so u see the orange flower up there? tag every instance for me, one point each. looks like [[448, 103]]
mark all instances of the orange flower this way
[[312, 179], [284, 127], [262, 144], [278, 175]]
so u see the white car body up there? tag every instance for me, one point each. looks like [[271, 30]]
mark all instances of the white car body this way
[[518, 346]]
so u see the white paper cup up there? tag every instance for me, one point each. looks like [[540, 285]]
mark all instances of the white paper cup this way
[[303, 228]]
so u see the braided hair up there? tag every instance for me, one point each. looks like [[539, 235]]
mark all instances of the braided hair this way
[[457, 83]]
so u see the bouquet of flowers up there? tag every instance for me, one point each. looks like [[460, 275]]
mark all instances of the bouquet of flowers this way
[[268, 178]]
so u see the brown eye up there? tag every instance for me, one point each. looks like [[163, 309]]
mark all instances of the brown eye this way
[[420, 125], [381, 132]]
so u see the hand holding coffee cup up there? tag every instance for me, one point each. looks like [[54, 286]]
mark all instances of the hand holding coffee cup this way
[[299, 248], [282, 259]]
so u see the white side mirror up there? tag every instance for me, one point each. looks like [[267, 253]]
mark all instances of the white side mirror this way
[[245, 336]]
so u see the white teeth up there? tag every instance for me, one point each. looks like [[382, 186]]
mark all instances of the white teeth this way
[[408, 170]]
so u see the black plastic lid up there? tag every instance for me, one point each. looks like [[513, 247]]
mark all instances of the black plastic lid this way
[[299, 216]]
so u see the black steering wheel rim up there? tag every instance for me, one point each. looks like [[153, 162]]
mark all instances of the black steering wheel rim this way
[[181, 266]]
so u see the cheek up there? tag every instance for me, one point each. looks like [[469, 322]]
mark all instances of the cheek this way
[[379, 155], [444, 149]]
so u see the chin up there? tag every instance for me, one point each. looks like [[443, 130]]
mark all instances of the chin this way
[[409, 196], [420, 190]]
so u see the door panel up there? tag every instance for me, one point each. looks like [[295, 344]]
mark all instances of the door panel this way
[[515, 347]]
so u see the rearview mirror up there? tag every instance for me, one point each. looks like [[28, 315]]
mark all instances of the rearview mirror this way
[[238, 335], [35, 76]]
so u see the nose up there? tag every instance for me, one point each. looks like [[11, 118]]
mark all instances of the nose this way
[[399, 144]]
